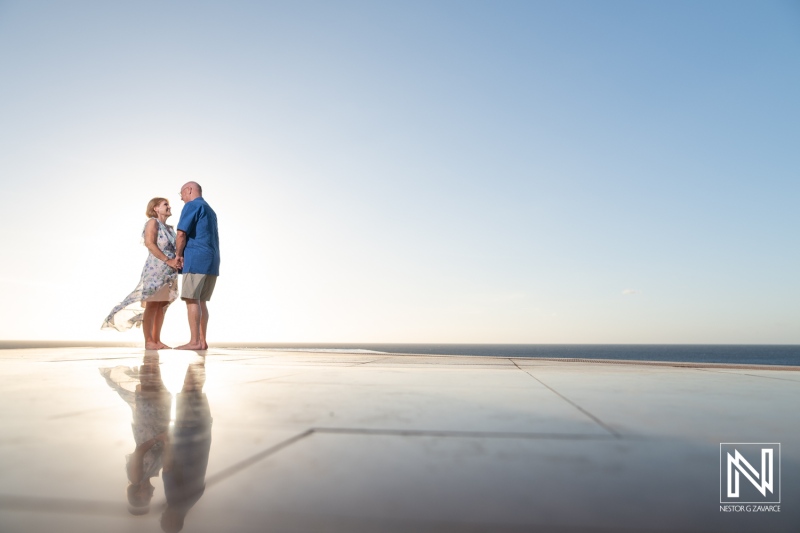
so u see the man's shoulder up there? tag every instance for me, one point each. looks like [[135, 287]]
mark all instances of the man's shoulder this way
[[200, 203], [189, 206], [206, 208]]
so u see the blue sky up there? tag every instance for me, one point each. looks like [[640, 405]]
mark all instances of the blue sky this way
[[411, 171]]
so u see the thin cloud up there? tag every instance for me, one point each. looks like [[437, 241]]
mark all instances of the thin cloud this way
[[630, 292]]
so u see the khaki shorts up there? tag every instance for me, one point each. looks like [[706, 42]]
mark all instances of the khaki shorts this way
[[198, 286]]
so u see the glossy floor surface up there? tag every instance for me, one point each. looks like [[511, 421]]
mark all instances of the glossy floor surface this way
[[235, 440]]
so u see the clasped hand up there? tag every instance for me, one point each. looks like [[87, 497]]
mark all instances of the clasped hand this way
[[176, 263]]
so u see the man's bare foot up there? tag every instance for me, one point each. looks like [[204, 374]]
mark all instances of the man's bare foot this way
[[191, 346]]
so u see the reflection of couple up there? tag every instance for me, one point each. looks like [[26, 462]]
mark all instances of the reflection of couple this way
[[194, 250], [183, 451]]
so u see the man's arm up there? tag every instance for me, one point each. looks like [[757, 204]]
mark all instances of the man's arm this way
[[180, 244]]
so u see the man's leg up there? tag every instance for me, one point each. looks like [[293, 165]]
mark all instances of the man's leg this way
[[194, 313], [195, 377], [203, 323]]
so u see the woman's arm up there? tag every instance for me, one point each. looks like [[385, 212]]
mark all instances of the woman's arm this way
[[150, 237], [136, 464]]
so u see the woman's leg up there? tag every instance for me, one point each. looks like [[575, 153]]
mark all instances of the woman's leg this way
[[158, 322], [151, 310]]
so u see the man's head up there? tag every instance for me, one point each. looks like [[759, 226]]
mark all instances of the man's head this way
[[172, 520], [190, 191]]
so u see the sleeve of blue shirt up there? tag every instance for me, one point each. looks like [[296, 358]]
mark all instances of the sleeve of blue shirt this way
[[188, 221]]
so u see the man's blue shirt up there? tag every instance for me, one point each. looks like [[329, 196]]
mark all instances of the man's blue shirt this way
[[199, 222]]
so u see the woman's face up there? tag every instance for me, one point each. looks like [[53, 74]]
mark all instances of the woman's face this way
[[163, 209]]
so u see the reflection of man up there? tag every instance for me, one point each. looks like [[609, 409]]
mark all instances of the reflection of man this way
[[186, 458], [198, 251]]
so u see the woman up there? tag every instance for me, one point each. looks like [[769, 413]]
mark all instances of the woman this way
[[158, 286], [143, 390]]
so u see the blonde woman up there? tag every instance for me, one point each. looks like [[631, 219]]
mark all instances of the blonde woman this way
[[158, 286], [143, 390]]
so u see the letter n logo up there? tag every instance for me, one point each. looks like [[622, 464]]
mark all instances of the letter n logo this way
[[750, 472]]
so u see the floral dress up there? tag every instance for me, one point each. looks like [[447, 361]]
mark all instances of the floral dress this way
[[159, 283], [150, 404]]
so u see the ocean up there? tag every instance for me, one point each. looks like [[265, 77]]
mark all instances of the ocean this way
[[760, 354]]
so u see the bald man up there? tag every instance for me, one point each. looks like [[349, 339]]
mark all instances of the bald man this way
[[197, 248]]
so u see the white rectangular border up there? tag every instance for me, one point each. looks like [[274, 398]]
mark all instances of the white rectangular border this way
[[779, 471]]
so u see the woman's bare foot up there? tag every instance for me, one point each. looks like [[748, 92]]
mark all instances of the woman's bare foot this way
[[152, 346], [162, 346], [191, 346]]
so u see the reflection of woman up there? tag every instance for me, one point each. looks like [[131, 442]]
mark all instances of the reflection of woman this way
[[158, 286], [150, 403]]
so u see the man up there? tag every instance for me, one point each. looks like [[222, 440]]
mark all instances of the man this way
[[187, 450], [197, 248]]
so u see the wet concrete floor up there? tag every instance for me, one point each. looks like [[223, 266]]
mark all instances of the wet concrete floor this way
[[118, 439]]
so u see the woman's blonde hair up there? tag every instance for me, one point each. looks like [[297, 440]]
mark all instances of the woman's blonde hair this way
[[151, 206]]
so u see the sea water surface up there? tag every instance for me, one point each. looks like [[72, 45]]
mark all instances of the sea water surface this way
[[760, 354]]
